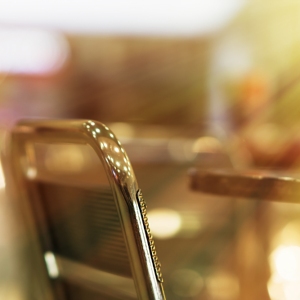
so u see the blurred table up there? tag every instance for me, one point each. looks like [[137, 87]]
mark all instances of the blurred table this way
[[247, 184]]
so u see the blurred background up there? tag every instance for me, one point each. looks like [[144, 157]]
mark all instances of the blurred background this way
[[206, 84]]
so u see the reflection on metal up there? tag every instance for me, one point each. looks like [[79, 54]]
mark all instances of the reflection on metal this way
[[156, 262], [86, 276], [117, 170], [51, 264], [257, 185]]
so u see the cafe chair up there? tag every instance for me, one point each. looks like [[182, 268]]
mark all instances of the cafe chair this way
[[86, 234]]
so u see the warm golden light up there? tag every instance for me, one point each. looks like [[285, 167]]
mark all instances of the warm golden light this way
[[2, 180], [181, 149], [285, 281], [186, 283], [286, 262], [276, 288], [31, 172], [123, 130], [207, 144], [51, 264], [268, 138], [164, 223], [223, 286], [64, 158], [290, 234]]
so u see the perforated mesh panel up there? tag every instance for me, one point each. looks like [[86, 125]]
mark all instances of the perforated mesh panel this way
[[84, 227]]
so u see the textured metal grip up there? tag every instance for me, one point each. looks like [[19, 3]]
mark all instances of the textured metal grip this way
[[143, 207]]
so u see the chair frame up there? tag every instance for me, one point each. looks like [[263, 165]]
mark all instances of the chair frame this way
[[131, 207]]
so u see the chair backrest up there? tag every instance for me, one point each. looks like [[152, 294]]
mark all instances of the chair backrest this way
[[87, 223]]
